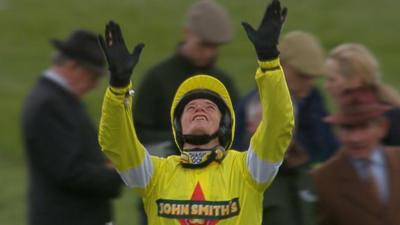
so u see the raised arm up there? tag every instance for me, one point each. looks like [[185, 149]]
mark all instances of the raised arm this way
[[117, 135], [273, 135]]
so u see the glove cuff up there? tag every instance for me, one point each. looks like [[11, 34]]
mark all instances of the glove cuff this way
[[270, 64], [266, 54], [117, 81], [120, 90]]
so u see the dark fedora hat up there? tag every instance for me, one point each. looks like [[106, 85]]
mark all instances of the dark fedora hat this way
[[358, 105], [83, 46]]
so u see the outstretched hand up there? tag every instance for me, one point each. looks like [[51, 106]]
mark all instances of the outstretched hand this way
[[120, 61], [265, 38]]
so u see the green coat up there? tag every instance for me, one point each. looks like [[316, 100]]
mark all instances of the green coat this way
[[290, 199], [153, 98]]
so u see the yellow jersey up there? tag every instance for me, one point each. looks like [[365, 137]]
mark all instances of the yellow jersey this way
[[226, 192]]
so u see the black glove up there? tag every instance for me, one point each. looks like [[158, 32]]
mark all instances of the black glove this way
[[120, 61], [265, 38]]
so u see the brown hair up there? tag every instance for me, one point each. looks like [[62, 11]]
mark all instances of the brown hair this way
[[357, 62]]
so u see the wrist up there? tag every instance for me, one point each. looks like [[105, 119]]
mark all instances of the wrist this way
[[267, 54], [269, 64], [120, 90], [119, 81]]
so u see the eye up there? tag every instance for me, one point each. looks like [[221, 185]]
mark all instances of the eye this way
[[211, 108], [189, 108]]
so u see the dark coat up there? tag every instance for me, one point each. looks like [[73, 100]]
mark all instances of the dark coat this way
[[290, 199], [68, 180], [241, 141], [153, 98], [314, 135], [392, 137], [344, 199]]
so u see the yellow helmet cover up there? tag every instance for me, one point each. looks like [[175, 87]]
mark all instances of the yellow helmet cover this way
[[208, 83]]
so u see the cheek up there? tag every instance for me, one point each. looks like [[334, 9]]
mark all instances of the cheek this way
[[378, 133], [216, 121], [334, 85], [205, 53], [308, 83], [92, 84], [366, 136], [328, 84], [300, 84], [343, 137], [191, 42], [184, 123], [201, 53], [340, 82], [209, 52], [333, 82], [353, 83]]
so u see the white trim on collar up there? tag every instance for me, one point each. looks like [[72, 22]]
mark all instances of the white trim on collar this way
[[56, 78]]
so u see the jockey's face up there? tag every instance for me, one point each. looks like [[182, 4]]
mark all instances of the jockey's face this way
[[199, 117]]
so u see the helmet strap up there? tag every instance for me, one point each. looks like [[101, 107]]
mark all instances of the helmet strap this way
[[199, 139]]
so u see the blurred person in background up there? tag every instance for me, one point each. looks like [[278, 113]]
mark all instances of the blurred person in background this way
[[70, 181], [353, 65], [360, 184], [291, 199], [303, 62], [207, 27]]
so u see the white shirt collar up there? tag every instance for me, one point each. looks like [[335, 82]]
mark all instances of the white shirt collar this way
[[56, 78], [377, 156]]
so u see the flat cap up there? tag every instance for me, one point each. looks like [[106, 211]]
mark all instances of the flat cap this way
[[303, 52], [210, 21]]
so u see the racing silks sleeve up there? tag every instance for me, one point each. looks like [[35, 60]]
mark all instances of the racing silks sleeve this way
[[118, 140], [273, 135]]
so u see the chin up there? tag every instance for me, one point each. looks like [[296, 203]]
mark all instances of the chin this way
[[360, 153], [198, 130], [203, 63]]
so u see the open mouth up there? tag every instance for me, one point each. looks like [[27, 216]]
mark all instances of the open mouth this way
[[200, 117], [357, 146]]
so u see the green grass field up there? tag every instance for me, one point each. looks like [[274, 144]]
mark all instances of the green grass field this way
[[26, 27]]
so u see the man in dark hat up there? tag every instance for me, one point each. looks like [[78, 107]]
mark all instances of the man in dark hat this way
[[359, 185], [70, 182]]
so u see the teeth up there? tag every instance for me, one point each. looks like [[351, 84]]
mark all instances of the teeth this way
[[199, 118]]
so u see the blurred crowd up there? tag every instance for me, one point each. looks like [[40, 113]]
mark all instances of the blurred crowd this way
[[342, 167]]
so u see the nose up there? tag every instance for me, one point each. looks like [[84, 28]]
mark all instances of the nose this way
[[354, 136], [199, 108]]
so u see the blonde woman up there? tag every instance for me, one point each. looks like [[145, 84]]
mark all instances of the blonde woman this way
[[353, 67]]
